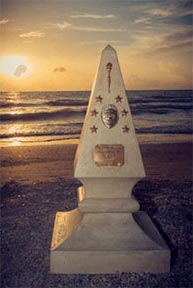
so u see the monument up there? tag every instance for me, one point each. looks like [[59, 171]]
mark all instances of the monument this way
[[107, 233]]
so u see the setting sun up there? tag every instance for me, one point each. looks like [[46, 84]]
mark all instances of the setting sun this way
[[14, 66]]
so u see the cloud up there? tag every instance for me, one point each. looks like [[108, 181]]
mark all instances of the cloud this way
[[33, 34], [63, 25], [4, 21], [176, 9], [20, 70], [60, 69], [98, 29], [180, 35], [161, 12], [143, 20], [183, 3], [105, 42], [66, 25], [151, 43], [181, 40], [93, 16], [186, 46], [185, 13]]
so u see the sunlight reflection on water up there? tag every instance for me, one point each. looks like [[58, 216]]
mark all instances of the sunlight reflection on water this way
[[15, 142]]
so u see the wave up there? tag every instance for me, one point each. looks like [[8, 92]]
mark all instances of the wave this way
[[48, 129], [154, 111], [54, 130], [35, 134], [84, 102], [76, 130], [75, 111], [42, 115], [165, 130], [160, 100], [141, 102], [65, 102]]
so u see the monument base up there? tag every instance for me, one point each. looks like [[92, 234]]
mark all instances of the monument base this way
[[92, 243]]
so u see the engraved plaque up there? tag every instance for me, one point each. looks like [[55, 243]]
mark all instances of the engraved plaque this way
[[109, 155]]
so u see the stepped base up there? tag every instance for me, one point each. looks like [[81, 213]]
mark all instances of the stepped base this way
[[94, 243]]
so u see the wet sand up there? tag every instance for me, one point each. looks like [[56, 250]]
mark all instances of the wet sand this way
[[37, 182], [29, 164]]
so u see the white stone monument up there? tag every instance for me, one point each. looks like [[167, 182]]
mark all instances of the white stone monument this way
[[107, 233]]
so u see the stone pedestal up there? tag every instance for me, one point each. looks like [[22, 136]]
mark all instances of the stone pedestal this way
[[107, 243], [107, 233]]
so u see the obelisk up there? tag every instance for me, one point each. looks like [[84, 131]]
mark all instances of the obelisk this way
[[107, 232]]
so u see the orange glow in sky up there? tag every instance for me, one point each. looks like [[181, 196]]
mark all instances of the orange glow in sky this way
[[14, 66], [56, 45]]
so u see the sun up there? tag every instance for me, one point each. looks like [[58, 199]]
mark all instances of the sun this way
[[14, 66]]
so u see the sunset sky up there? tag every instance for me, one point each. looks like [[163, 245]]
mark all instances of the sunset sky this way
[[56, 44]]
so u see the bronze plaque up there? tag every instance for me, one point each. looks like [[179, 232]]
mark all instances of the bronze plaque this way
[[109, 155]]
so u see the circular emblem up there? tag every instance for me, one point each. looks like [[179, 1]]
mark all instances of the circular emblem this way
[[110, 115]]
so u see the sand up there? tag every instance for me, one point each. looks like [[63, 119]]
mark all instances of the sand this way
[[37, 182], [37, 163]]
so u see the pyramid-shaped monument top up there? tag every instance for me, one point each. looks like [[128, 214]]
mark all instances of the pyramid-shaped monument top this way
[[108, 145]]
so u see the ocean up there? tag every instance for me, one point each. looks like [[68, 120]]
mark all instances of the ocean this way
[[37, 117]]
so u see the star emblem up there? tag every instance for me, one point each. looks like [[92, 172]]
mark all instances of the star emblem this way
[[94, 112], [118, 99], [125, 129], [99, 99], [93, 129], [124, 112]]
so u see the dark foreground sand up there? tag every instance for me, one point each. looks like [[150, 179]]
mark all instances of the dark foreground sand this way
[[30, 164], [37, 182]]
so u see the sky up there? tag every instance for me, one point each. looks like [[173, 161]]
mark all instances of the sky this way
[[56, 44]]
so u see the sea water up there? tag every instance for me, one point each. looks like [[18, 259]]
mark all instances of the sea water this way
[[36, 117]]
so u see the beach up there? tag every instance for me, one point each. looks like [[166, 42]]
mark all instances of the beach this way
[[37, 163], [37, 181]]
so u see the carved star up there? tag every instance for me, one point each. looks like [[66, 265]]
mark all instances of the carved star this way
[[99, 99], [94, 112], [93, 129], [124, 112], [125, 129], [118, 99]]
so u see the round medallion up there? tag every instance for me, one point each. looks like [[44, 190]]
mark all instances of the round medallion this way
[[109, 115]]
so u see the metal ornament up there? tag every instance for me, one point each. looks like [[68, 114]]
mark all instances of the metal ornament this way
[[109, 68], [110, 115]]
